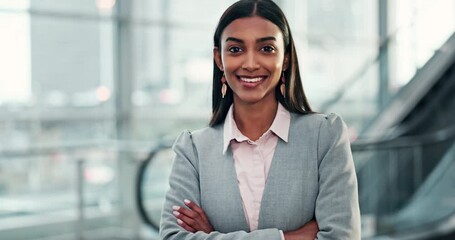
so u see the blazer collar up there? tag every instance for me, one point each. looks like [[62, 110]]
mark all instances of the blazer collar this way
[[280, 127]]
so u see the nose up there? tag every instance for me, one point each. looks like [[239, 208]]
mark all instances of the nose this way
[[250, 62]]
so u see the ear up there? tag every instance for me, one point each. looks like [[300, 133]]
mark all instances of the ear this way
[[286, 62], [217, 58]]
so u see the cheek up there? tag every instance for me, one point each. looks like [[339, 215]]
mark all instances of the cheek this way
[[229, 72], [229, 63], [275, 67], [274, 63], [277, 71]]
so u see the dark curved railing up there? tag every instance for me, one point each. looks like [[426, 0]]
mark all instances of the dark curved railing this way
[[139, 182]]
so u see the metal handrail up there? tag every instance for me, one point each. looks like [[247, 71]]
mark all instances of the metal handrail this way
[[403, 142], [124, 146], [121, 145]]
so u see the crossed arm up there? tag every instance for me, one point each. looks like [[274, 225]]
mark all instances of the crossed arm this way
[[194, 219]]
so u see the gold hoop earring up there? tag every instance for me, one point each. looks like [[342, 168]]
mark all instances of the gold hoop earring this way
[[283, 86], [224, 86]]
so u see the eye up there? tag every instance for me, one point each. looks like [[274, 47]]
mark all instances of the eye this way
[[268, 49], [234, 49]]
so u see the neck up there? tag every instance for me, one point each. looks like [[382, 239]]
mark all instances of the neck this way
[[253, 120]]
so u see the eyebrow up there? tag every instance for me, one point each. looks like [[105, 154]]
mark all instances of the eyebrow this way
[[259, 40]]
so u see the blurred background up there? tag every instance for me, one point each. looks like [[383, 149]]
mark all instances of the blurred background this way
[[93, 92]]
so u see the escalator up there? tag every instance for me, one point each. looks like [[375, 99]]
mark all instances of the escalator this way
[[409, 168], [425, 104]]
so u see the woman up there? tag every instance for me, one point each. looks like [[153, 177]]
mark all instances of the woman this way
[[267, 167]]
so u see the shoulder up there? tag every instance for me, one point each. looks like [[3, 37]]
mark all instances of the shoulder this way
[[192, 144], [332, 132], [317, 120], [327, 128], [207, 134], [200, 136], [333, 124]]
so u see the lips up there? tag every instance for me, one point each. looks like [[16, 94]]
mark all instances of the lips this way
[[252, 79]]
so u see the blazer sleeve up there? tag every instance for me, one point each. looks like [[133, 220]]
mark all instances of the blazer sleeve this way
[[184, 184], [337, 206]]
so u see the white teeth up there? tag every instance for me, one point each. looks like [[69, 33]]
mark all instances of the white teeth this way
[[251, 80]]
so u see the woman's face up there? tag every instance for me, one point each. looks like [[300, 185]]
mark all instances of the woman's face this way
[[252, 56]]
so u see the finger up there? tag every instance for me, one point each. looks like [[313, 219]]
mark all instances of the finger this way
[[203, 221], [193, 206], [185, 226], [194, 223], [188, 212]]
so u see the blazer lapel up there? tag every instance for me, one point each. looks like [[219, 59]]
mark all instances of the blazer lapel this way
[[292, 183], [232, 186], [268, 198], [278, 179]]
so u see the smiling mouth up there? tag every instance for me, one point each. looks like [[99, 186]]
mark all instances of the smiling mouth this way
[[252, 79]]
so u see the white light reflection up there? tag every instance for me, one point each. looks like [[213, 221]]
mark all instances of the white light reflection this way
[[103, 93], [15, 83], [105, 4]]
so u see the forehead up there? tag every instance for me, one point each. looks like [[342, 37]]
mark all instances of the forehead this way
[[251, 27]]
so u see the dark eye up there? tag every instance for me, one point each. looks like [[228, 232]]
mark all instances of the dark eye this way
[[234, 49], [268, 49]]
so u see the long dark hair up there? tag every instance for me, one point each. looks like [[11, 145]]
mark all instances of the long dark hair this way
[[295, 99]]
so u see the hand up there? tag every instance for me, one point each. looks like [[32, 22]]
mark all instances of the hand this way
[[192, 219], [309, 231]]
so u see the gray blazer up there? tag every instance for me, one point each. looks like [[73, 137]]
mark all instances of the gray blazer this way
[[311, 176]]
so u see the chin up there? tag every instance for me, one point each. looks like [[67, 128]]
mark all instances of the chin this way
[[250, 99]]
